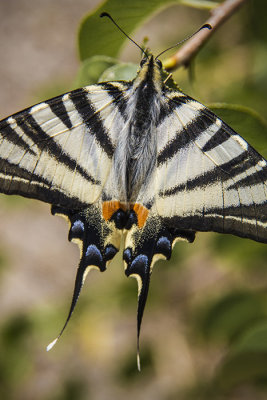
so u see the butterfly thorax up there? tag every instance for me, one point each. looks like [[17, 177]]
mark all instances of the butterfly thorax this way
[[135, 157]]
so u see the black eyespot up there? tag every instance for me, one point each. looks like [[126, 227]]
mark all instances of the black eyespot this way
[[143, 61], [159, 63]]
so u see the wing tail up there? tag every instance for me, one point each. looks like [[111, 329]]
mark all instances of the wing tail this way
[[140, 268], [144, 247], [82, 272], [96, 250]]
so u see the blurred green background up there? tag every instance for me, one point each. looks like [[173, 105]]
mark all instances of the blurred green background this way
[[204, 333]]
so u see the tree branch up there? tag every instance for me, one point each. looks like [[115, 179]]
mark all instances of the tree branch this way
[[218, 15]]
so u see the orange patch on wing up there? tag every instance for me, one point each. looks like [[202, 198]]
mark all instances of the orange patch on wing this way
[[141, 213], [109, 208]]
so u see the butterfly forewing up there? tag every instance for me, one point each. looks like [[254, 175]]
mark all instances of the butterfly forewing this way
[[209, 178], [60, 151]]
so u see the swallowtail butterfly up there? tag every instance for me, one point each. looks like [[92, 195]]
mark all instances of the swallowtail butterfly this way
[[138, 160]]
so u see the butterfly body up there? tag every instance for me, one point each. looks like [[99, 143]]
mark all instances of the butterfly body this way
[[135, 154], [137, 159]]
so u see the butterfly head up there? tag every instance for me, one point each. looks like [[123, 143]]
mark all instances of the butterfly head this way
[[149, 59], [150, 72]]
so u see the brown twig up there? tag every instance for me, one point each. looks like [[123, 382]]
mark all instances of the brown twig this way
[[218, 15]]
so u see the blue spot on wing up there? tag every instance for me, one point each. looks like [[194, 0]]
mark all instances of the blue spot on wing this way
[[78, 225], [93, 256], [139, 265], [76, 230], [110, 252], [127, 255], [164, 246]]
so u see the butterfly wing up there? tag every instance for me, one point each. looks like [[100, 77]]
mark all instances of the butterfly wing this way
[[60, 151], [208, 177], [145, 243]]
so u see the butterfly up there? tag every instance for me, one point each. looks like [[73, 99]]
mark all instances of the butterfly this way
[[139, 163]]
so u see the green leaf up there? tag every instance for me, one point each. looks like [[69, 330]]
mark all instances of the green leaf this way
[[246, 122], [254, 339], [91, 69], [246, 363], [201, 4], [99, 36], [240, 252], [243, 368], [122, 71], [231, 315]]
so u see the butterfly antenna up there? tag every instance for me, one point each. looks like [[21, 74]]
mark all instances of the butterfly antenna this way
[[208, 26], [105, 14]]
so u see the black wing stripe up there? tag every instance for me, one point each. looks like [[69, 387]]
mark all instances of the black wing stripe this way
[[227, 220], [183, 138], [8, 133], [44, 142], [118, 97], [40, 192], [57, 106], [226, 171], [217, 139], [11, 170], [169, 106], [18, 180], [92, 120], [251, 180], [223, 133]]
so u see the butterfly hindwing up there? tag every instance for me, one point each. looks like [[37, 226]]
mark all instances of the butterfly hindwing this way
[[146, 242], [98, 240]]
